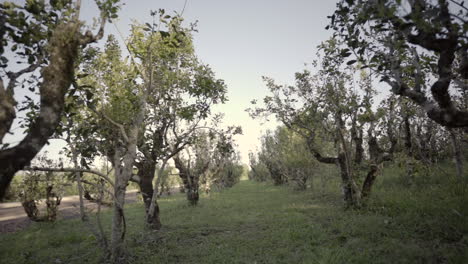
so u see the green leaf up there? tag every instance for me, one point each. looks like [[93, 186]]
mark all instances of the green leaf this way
[[164, 34], [345, 53]]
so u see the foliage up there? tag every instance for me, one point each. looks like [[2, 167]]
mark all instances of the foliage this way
[[225, 170], [416, 47], [330, 114], [258, 171], [42, 187], [285, 156], [47, 37], [206, 160], [139, 112], [169, 180]]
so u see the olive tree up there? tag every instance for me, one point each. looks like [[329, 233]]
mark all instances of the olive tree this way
[[186, 91], [46, 38], [417, 47], [324, 107], [285, 155], [208, 149]]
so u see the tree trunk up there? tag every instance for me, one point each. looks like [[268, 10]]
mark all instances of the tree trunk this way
[[407, 137], [191, 188], [31, 210], [369, 181], [118, 225], [193, 196], [356, 135], [146, 175], [190, 181], [123, 166], [350, 193], [152, 217], [345, 179], [275, 173], [57, 78], [52, 202], [457, 153]]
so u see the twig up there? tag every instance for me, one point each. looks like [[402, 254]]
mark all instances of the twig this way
[[15, 75], [459, 4]]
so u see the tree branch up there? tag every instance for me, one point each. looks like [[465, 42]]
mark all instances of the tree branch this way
[[119, 126], [13, 76], [105, 177], [89, 37]]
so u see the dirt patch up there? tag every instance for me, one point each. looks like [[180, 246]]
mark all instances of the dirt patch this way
[[13, 217]]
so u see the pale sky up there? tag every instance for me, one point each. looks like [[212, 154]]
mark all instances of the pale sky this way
[[242, 41]]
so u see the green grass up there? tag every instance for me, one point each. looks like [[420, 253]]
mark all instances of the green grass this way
[[425, 222]]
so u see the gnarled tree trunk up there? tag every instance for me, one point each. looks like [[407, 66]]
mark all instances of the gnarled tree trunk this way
[[57, 79], [350, 193], [146, 172], [190, 181], [369, 181], [145, 181], [377, 157]]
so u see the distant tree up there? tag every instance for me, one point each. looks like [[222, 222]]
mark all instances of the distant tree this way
[[294, 159], [195, 162], [323, 108], [36, 186], [270, 156], [258, 171], [225, 169]]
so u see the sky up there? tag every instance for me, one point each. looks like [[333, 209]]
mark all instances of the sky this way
[[242, 41]]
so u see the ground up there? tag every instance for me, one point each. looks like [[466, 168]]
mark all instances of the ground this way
[[261, 223], [13, 217]]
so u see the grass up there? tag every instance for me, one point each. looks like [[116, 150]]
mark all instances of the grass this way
[[422, 222]]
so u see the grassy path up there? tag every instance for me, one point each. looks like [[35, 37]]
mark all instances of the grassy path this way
[[249, 223]]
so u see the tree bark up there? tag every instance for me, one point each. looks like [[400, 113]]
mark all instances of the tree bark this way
[[190, 181], [369, 181], [407, 137], [124, 159], [118, 225], [57, 78], [356, 135], [152, 217], [83, 215], [349, 192], [192, 186], [146, 172], [7, 110], [458, 154], [377, 156], [31, 210]]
